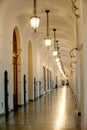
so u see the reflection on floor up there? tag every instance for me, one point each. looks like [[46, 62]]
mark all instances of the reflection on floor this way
[[53, 111]]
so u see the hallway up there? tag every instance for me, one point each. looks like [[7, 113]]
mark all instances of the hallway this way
[[54, 111]]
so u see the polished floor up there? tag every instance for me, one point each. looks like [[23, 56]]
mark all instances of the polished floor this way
[[54, 111]]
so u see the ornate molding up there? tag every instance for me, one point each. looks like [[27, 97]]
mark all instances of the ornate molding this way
[[75, 8]]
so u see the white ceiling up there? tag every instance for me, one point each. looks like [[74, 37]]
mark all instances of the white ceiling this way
[[60, 17]]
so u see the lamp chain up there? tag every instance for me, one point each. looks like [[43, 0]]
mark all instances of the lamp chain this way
[[34, 7], [47, 11], [57, 43], [57, 48], [54, 38]]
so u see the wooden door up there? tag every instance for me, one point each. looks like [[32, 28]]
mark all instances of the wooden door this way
[[15, 93], [6, 94], [48, 79], [44, 78]]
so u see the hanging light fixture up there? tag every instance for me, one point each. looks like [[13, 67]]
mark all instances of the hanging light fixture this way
[[57, 59], [47, 39], [35, 20], [55, 47]]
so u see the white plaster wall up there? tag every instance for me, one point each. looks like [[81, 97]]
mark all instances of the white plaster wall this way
[[6, 63], [79, 84], [37, 62], [40, 60], [84, 66], [8, 21], [6, 51]]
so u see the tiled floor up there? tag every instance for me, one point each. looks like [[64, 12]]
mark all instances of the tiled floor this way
[[54, 111]]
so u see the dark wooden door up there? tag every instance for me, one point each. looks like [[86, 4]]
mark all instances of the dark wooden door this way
[[15, 93], [44, 78], [48, 79], [24, 89], [15, 96], [6, 92]]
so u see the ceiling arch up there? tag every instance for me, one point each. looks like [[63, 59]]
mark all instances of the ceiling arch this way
[[61, 17]]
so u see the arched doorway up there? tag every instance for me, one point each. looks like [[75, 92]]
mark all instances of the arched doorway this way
[[16, 69], [30, 72]]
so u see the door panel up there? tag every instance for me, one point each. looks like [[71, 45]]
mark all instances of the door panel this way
[[44, 77], [15, 95], [15, 82], [6, 92]]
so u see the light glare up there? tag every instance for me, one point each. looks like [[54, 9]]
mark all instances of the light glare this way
[[47, 41], [55, 53], [34, 21]]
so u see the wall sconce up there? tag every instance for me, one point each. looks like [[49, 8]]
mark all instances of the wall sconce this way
[[55, 47], [47, 39], [34, 20]]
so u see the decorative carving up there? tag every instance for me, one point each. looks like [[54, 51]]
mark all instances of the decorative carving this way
[[75, 8]]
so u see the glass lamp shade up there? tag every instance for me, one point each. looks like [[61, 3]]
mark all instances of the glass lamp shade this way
[[58, 63], [47, 42], [34, 21], [55, 53], [57, 59]]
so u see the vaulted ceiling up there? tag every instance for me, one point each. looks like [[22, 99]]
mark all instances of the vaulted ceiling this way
[[60, 17]]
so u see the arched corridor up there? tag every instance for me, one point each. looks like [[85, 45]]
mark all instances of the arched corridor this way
[[55, 111], [35, 60]]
